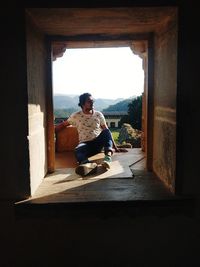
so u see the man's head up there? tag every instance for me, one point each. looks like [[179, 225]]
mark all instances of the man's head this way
[[86, 101]]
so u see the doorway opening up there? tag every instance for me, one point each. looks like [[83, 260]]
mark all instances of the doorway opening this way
[[115, 77]]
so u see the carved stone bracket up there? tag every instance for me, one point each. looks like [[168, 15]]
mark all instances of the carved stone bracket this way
[[58, 49], [140, 48]]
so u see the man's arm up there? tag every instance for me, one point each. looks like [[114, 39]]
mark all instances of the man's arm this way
[[61, 126]]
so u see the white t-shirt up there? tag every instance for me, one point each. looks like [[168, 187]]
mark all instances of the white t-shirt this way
[[88, 125]]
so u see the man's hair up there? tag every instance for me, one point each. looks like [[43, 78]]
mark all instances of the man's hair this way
[[83, 98]]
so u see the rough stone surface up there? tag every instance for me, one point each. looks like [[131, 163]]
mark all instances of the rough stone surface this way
[[129, 135]]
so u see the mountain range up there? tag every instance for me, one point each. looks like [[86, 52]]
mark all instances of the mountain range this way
[[71, 101]]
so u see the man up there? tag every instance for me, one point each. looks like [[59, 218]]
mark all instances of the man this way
[[94, 136]]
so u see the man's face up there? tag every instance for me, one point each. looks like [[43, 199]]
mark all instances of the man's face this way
[[89, 104]]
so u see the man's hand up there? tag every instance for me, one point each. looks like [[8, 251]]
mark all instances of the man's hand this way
[[120, 149], [61, 126]]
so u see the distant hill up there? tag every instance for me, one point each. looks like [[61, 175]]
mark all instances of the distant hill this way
[[120, 106], [65, 101], [71, 102]]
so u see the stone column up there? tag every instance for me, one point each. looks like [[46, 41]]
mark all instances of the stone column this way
[[140, 48]]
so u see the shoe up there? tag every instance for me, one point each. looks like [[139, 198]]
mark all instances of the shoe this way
[[86, 168], [106, 162]]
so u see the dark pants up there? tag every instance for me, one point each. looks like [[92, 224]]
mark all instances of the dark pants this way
[[90, 148]]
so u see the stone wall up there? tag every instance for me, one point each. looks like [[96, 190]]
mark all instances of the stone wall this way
[[165, 92], [36, 82]]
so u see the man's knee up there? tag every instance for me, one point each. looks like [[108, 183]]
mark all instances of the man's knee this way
[[80, 147], [106, 132], [81, 153], [80, 150]]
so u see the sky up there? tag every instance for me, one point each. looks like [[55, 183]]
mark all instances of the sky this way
[[109, 73]]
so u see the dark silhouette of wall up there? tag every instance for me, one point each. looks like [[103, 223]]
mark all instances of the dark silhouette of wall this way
[[167, 240]]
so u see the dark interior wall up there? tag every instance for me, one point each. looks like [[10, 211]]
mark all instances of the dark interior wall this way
[[14, 163], [140, 241], [188, 108], [165, 90], [14, 181]]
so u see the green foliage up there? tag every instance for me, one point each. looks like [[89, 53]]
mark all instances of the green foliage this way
[[135, 113], [124, 119], [115, 134], [134, 116]]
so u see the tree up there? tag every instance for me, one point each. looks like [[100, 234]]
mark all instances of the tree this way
[[135, 113], [124, 119]]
